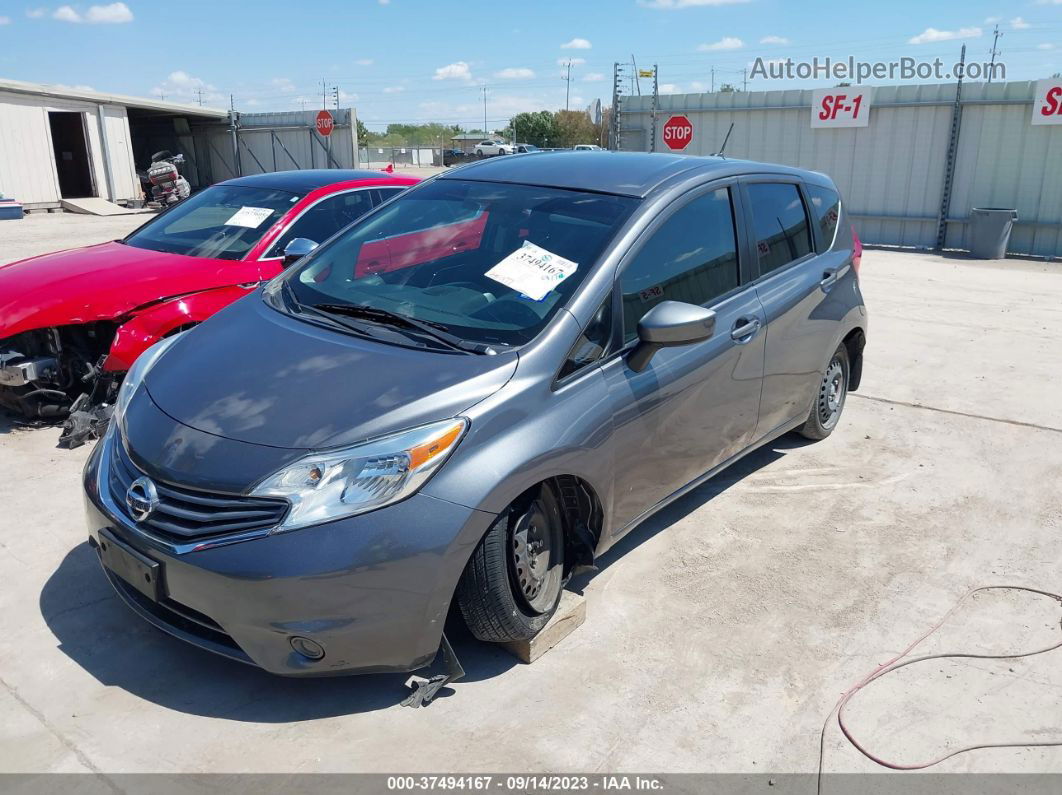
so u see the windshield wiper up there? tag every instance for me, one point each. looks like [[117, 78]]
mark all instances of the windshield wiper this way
[[385, 317]]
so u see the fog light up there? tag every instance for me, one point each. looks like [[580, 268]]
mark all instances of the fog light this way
[[309, 649]]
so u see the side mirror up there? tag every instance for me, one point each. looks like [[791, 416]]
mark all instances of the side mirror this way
[[296, 249], [668, 325]]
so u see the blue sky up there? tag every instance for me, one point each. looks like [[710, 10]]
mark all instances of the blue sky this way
[[427, 60]]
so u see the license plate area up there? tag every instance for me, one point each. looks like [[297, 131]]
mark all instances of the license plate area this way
[[138, 570]]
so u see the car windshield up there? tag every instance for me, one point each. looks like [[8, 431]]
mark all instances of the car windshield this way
[[490, 263], [222, 222]]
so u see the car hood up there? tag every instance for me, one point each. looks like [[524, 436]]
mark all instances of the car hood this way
[[103, 282], [256, 375]]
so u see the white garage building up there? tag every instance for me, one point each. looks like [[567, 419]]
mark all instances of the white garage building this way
[[61, 143]]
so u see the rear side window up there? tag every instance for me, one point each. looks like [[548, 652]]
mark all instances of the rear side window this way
[[691, 258], [780, 224], [826, 207]]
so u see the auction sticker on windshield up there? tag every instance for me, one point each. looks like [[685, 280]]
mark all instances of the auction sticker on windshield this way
[[251, 217], [532, 271]]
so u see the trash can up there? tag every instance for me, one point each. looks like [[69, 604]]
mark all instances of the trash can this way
[[990, 231]]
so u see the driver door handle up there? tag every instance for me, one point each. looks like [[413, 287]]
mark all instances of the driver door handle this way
[[745, 329], [829, 278]]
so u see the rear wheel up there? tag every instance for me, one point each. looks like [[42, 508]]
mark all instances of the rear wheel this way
[[512, 583], [829, 401]]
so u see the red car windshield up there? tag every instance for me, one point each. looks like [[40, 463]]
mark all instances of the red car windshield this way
[[222, 222]]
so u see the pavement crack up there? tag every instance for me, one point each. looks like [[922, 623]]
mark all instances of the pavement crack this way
[[62, 738], [967, 414]]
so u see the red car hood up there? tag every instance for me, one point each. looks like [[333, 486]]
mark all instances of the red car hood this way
[[103, 282]]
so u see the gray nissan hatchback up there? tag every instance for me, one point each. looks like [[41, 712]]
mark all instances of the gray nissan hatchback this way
[[466, 395]]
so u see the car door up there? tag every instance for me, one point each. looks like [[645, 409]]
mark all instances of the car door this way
[[318, 222], [694, 406], [792, 285]]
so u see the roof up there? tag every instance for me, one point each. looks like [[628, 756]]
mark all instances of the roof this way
[[88, 95], [306, 180], [622, 173]]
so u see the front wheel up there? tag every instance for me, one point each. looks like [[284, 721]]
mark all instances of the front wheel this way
[[512, 583], [829, 401]]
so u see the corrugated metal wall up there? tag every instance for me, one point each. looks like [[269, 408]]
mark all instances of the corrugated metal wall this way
[[891, 172], [276, 142]]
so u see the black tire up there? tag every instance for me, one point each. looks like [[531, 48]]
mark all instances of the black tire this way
[[479, 153], [829, 400], [496, 593]]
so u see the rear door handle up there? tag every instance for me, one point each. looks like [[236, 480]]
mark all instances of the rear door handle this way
[[829, 279], [745, 329]]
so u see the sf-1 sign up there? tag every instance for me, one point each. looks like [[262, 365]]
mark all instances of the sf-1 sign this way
[[840, 107], [678, 133], [1047, 104]]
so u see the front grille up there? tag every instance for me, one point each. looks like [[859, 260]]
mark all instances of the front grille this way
[[184, 514]]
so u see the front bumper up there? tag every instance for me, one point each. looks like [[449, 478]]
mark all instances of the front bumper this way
[[372, 590]]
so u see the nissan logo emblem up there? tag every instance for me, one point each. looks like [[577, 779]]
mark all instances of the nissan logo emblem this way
[[142, 499]]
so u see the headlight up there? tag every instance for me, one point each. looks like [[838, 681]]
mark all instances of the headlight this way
[[135, 376], [326, 486]]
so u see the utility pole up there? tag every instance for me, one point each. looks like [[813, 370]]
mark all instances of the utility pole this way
[[713, 79], [199, 96], [745, 79], [656, 104], [335, 96], [637, 77], [324, 95], [484, 90], [568, 84], [994, 52], [614, 120]]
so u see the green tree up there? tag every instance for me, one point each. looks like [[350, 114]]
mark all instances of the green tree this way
[[537, 128], [363, 133], [574, 127]]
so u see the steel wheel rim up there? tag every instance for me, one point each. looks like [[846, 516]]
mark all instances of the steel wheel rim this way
[[531, 558], [832, 393]]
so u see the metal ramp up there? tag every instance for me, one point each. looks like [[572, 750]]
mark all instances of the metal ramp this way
[[95, 206]]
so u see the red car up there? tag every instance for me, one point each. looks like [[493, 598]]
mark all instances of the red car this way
[[71, 323]]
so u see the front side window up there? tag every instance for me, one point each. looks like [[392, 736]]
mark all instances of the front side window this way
[[491, 263], [222, 222], [692, 258], [780, 223], [826, 207], [324, 219]]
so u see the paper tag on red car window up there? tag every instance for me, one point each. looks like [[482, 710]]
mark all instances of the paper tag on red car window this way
[[532, 271], [251, 217]]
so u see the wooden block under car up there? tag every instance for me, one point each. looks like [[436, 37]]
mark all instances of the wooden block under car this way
[[571, 613]]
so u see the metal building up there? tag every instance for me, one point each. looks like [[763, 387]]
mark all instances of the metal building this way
[[894, 171], [61, 143]]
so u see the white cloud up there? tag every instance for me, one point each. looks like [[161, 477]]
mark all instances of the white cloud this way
[[36, 13], [774, 40], [394, 89], [385, 2], [364, 62], [993, 20], [110, 14], [725, 43], [675, 5], [593, 77], [283, 85], [1019, 24], [697, 86], [669, 88], [1045, 46], [930, 35], [183, 87], [573, 61], [576, 44], [454, 71], [515, 73], [5, 20]]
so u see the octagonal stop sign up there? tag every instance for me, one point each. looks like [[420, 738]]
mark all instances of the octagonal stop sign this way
[[325, 123], [678, 132]]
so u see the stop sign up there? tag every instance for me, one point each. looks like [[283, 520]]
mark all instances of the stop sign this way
[[325, 123], [678, 132]]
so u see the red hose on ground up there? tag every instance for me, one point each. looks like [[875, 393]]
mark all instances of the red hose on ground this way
[[898, 662]]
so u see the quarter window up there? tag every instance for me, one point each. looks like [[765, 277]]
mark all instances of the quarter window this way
[[826, 207], [325, 218], [592, 343], [691, 258], [780, 223]]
